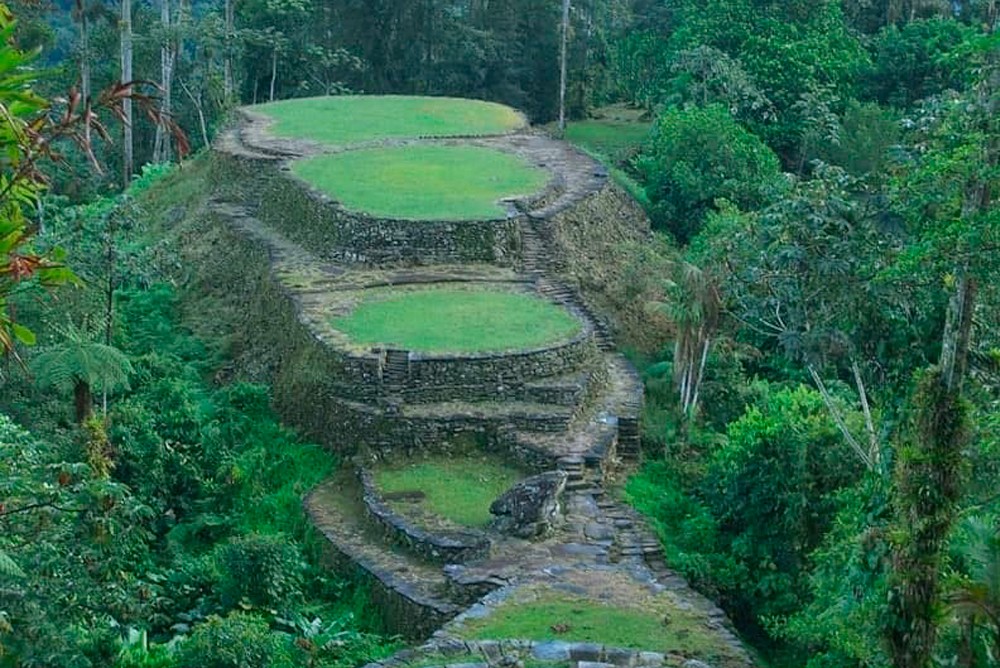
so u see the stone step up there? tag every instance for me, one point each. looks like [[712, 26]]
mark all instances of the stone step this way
[[588, 490], [591, 440]]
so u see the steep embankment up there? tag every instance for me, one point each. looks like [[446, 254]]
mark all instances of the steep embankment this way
[[568, 574]]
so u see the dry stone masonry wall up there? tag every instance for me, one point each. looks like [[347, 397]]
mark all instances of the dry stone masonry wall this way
[[568, 411], [441, 546]]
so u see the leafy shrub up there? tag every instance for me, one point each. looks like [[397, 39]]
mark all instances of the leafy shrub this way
[[237, 641], [265, 571], [686, 527], [698, 155], [918, 60], [867, 133], [772, 489]]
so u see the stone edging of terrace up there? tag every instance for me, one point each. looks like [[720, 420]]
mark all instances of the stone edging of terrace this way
[[453, 547]]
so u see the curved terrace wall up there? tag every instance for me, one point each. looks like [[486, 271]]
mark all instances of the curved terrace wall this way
[[313, 375], [449, 377], [323, 227], [478, 378], [454, 547], [402, 609]]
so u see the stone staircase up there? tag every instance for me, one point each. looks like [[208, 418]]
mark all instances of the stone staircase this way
[[535, 263], [396, 368], [567, 296]]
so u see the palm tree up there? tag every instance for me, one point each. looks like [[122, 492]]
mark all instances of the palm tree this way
[[80, 364], [975, 599]]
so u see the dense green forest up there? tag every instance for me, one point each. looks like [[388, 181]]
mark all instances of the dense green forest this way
[[819, 340]]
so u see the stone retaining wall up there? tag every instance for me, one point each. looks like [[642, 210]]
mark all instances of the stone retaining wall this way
[[558, 653], [309, 375], [453, 547], [571, 391], [513, 367], [322, 226], [402, 610], [487, 377], [385, 430], [470, 377]]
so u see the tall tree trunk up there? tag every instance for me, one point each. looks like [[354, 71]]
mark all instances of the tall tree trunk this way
[[83, 401], [274, 71], [200, 108], [227, 61], [563, 66], [929, 470], [84, 52], [161, 150], [128, 156]]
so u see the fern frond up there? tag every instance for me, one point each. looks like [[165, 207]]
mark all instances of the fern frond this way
[[9, 567], [61, 365]]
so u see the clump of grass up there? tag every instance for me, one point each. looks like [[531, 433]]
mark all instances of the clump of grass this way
[[648, 625], [458, 489], [423, 182], [356, 118], [458, 321]]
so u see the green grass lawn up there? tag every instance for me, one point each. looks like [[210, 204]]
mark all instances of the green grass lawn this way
[[458, 321], [459, 489], [647, 625], [356, 118], [613, 138], [423, 182], [616, 140]]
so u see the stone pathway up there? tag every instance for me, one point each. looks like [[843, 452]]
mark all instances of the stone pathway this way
[[584, 422]]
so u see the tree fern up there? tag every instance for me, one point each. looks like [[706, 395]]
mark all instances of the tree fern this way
[[78, 358]]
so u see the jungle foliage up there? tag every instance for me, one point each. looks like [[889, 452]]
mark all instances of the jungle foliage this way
[[821, 361], [162, 526]]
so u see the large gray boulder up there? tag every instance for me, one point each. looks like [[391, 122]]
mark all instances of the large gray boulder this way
[[530, 509]]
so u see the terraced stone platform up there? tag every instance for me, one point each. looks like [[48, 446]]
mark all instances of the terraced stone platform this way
[[568, 403]]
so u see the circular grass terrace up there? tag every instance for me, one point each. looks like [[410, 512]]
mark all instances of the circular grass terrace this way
[[446, 183], [458, 489], [350, 119], [458, 321]]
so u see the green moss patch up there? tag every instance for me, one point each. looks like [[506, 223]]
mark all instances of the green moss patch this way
[[458, 321], [641, 621], [458, 489], [356, 118], [423, 182]]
